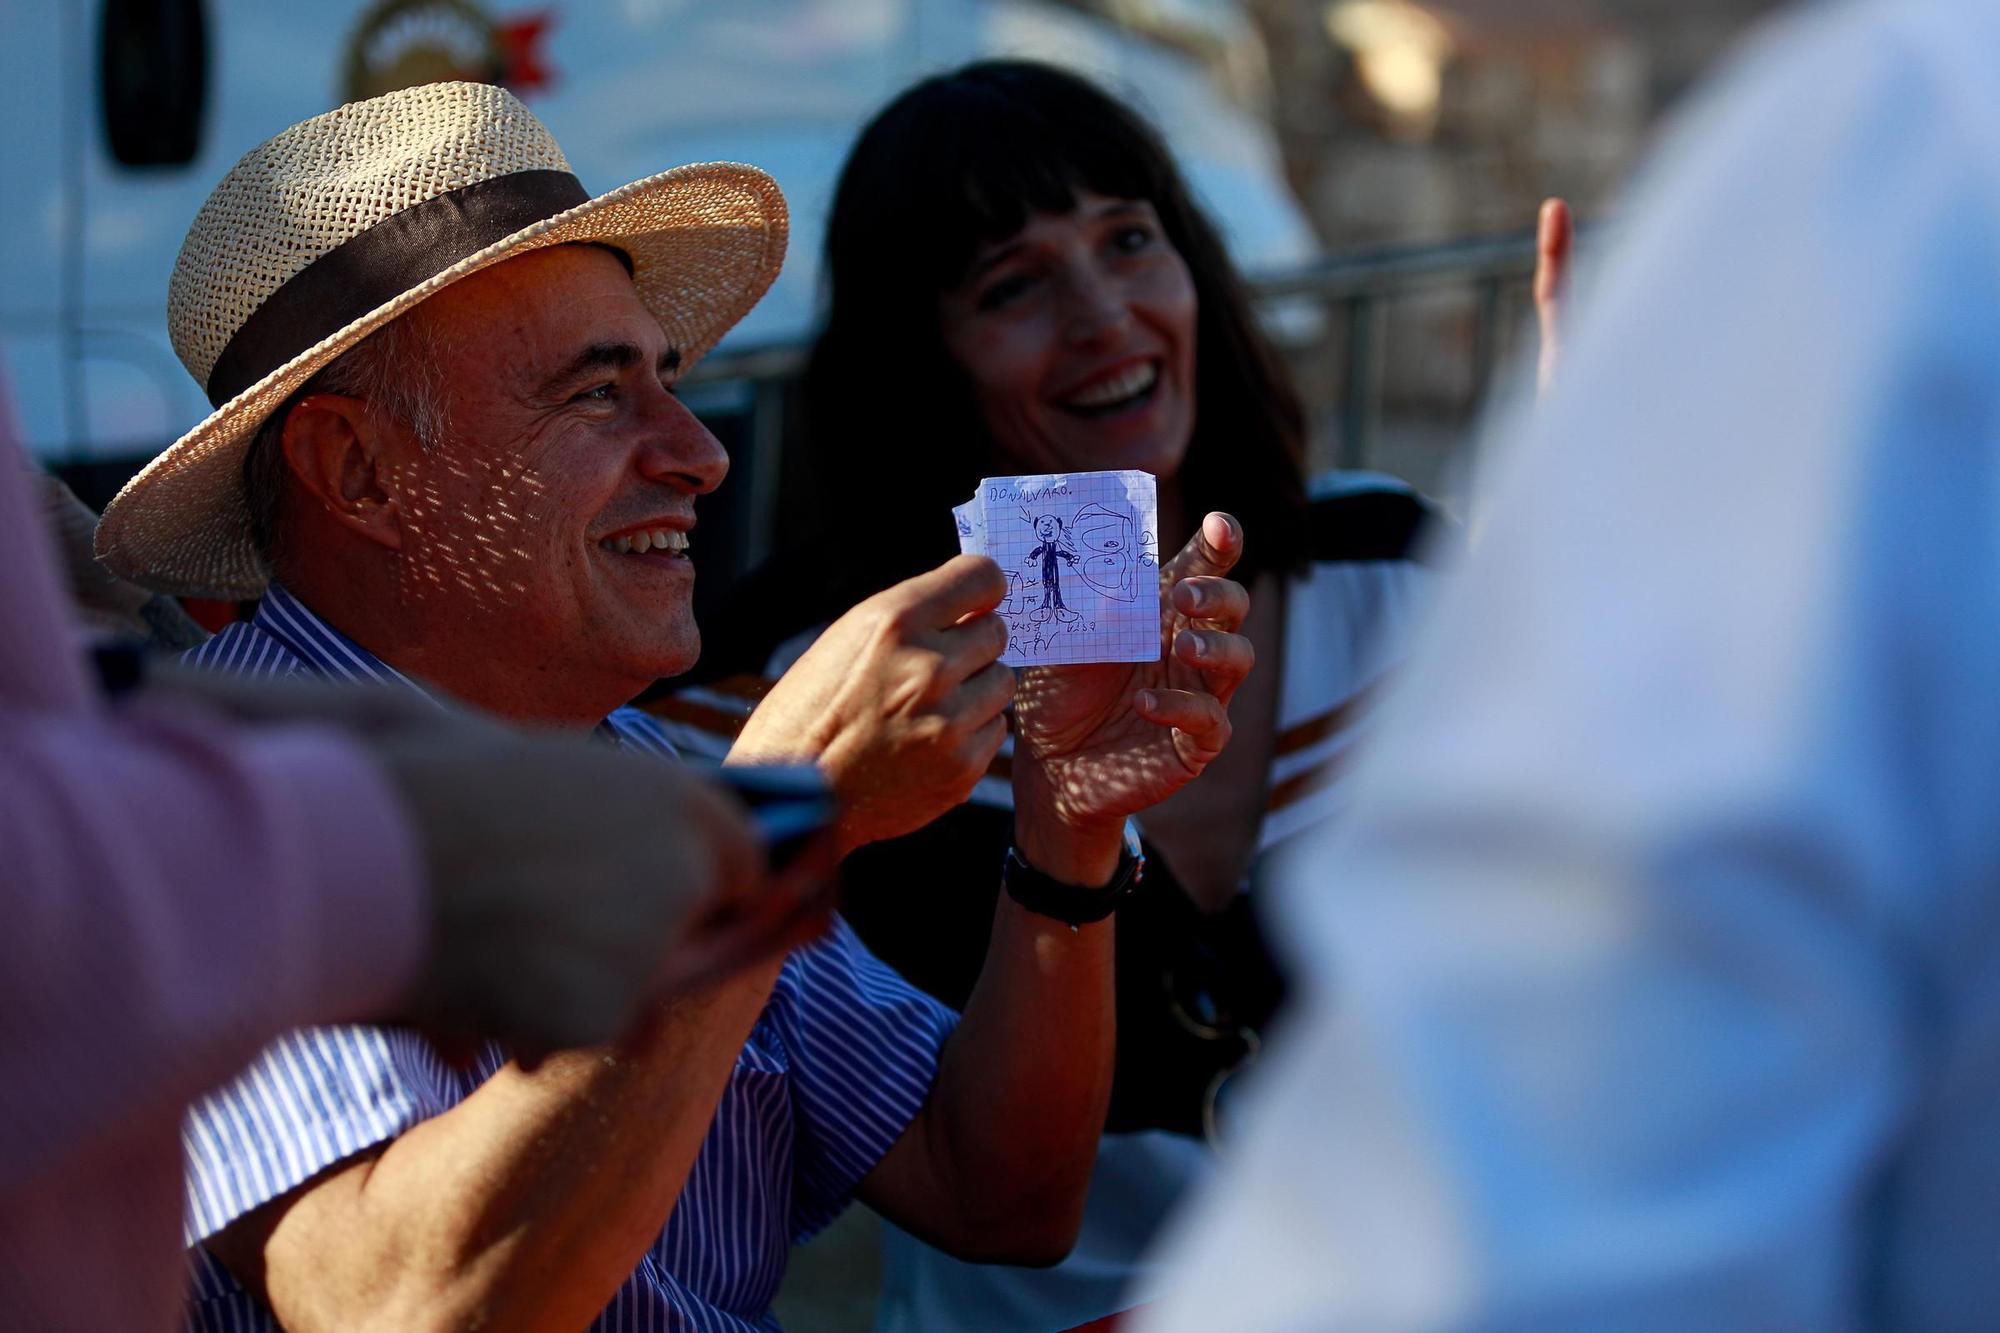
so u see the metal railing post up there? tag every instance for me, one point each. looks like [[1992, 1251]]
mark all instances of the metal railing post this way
[[1485, 338], [1361, 396]]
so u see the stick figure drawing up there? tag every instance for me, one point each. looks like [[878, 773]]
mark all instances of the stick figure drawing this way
[[1082, 568], [1055, 546]]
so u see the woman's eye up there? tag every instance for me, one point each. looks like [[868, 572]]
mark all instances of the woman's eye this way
[[1131, 239], [1005, 291]]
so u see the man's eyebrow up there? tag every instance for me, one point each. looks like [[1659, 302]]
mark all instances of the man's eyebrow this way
[[592, 359], [600, 357]]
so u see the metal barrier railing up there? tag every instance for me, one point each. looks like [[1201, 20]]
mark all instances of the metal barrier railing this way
[[1359, 287]]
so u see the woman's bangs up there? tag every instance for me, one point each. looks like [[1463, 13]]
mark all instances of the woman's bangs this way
[[992, 171]]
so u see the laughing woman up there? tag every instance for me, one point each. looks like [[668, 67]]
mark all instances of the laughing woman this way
[[1021, 283]]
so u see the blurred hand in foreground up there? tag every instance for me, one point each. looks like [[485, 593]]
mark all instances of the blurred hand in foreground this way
[[901, 702], [1098, 742], [571, 884]]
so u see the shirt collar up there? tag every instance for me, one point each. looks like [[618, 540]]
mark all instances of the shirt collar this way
[[328, 652], [323, 648]]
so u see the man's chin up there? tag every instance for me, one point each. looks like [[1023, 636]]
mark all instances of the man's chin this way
[[675, 656]]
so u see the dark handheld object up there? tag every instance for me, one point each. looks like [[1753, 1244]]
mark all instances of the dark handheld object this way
[[790, 803], [120, 665]]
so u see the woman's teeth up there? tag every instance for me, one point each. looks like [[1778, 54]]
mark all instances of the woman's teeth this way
[[1125, 385], [638, 543]]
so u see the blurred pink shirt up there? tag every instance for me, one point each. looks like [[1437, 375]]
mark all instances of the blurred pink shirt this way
[[173, 892]]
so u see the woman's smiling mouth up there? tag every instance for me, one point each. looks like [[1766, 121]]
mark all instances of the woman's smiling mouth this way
[[1115, 392]]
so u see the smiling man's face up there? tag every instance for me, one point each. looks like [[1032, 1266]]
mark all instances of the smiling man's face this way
[[549, 529]]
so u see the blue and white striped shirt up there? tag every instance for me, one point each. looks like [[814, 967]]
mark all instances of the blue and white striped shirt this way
[[834, 1071]]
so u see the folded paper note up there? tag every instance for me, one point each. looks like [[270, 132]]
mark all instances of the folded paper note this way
[[1082, 561]]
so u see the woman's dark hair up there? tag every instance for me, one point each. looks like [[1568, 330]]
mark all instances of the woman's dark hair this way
[[961, 160]]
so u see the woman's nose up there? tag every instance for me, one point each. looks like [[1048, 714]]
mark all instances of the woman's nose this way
[[1094, 308]]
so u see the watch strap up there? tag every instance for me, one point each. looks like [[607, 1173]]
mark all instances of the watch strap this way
[[1074, 904]]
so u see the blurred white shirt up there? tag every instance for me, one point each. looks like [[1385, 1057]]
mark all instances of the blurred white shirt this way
[[1656, 975]]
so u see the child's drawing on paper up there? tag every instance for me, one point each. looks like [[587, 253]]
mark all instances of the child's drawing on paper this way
[[1082, 580], [1112, 555], [1015, 602], [1055, 546]]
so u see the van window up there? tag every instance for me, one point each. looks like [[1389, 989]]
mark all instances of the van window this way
[[153, 80]]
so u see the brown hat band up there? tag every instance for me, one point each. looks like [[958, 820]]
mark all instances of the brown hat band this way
[[367, 271]]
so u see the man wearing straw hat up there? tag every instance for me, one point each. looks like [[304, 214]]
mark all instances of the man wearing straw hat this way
[[445, 433]]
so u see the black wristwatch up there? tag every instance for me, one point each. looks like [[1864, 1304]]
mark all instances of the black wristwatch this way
[[1074, 904]]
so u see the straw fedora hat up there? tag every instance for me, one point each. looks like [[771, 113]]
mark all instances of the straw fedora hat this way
[[327, 232]]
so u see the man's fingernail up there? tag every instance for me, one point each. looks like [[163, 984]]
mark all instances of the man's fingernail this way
[[1147, 701]]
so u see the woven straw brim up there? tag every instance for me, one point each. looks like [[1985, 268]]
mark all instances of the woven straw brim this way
[[706, 242]]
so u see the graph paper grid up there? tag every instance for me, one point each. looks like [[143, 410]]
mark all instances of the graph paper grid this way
[[1081, 555]]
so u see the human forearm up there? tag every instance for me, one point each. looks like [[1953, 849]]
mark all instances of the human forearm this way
[[997, 1165], [525, 1206], [1076, 850]]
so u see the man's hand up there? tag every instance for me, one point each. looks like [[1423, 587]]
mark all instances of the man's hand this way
[[901, 701], [571, 885], [1555, 232], [1096, 743]]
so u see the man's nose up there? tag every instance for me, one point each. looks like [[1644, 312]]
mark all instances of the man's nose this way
[[680, 451]]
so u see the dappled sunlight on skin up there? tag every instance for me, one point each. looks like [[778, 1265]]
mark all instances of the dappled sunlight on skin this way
[[475, 553], [1100, 757], [900, 701], [557, 433], [1125, 767]]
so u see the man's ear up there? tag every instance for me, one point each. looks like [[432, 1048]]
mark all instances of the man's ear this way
[[344, 457]]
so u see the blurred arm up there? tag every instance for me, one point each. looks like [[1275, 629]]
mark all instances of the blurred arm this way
[[1623, 968], [175, 890], [176, 893]]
